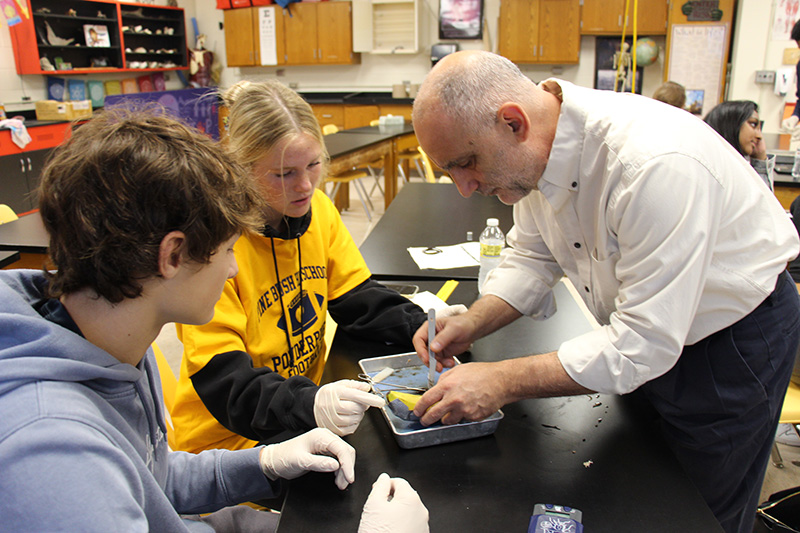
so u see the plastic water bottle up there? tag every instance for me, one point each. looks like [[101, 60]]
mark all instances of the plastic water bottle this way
[[492, 242], [796, 166]]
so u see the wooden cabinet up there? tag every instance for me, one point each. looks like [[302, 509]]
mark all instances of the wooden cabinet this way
[[386, 26], [329, 114], [356, 116], [607, 17], [539, 31], [315, 34], [59, 29], [242, 38]]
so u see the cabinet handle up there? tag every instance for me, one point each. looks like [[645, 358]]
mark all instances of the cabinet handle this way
[[541, 50], [619, 20], [326, 116], [21, 165], [30, 166]]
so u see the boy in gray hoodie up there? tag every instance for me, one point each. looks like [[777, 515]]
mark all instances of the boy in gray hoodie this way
[[142, 214]]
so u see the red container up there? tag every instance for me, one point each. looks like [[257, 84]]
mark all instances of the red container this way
[[240, 3], [261, 2], [223, 4]]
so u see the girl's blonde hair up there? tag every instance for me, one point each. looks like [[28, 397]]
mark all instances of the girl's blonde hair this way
[[263, 114]]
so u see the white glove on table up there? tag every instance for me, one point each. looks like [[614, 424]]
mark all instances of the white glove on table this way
[[404, 512], [318, 450], [789, 123], [451, 310], [340, 406]]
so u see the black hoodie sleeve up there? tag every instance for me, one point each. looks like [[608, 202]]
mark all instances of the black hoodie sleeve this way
[[256, 403], [376, 312]]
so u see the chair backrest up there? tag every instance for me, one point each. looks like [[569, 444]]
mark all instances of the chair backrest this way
[[430, 177], [327, 129], [7, 214], [169, 383]]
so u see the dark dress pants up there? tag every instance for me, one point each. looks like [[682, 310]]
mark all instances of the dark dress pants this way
[[719, 405]]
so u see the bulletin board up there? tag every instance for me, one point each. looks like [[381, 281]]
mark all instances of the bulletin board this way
[[698, 59]]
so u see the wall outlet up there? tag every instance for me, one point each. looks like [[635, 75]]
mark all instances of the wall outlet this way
[[765, 76]]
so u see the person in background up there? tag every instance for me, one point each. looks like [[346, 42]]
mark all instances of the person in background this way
[[739, 124], [673, 242], [253, 371], [671, 93], [790, 123]]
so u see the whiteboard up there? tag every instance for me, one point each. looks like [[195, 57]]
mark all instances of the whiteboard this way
[[697, 55]]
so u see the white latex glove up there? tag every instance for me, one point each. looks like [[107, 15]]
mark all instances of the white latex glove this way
[[451, 310], [318, 450], [393, 506], [340, 406], [789, 123]]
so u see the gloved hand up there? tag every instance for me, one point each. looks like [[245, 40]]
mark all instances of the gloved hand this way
[[318, 450], [393, 506], [789, 123], [340, 406], [451, 310]]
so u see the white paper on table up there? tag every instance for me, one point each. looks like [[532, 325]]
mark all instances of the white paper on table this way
[[427, 300], [466, 254]]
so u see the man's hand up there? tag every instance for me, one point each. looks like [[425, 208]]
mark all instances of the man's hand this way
[[393, 506], [472, 391], [454, 335], [340, 406], [318, 450]]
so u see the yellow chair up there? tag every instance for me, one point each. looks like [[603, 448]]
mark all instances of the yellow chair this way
[[353, 175], [790, 414], [7, 214], [169, 384]]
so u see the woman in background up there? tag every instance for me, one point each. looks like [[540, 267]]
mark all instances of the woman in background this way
[[738, 123]]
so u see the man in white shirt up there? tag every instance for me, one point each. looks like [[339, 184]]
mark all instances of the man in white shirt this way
[[676, 245]]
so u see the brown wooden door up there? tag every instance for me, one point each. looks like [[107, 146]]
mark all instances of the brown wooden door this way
[[241, 41], [559, 34], [652, 15], [600, 17], [518, 38], [334, 32], [300, 32]]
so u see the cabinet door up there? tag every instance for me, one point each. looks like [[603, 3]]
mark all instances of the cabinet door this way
[[34, 164], [559, 32], [300, 31], [356, 116], [13, 184], [652, 16], [335, 32], [241, 41], [518, 38], [600, 17], [329, 114]]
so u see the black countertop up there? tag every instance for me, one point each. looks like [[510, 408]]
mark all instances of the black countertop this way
[[357, 97]]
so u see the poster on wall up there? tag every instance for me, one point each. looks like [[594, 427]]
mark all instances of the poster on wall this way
[[783, 18], [697, 59], [461, 19], [607, 54]]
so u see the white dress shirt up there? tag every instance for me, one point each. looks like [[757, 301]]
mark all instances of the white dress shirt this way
[[666, 231]]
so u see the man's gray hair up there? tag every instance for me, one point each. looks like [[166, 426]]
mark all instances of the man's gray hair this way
[[473, 94]]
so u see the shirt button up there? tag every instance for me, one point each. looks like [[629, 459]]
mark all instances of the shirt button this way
[[574, 184], [586, 288], [577, 245]]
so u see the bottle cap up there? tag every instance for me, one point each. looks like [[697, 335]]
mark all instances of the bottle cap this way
[[492, 222], [469, 236]]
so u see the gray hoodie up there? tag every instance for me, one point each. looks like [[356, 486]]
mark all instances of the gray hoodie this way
[[82, 436]]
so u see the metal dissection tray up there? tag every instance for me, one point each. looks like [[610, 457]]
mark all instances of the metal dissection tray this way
[[409, 372]]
